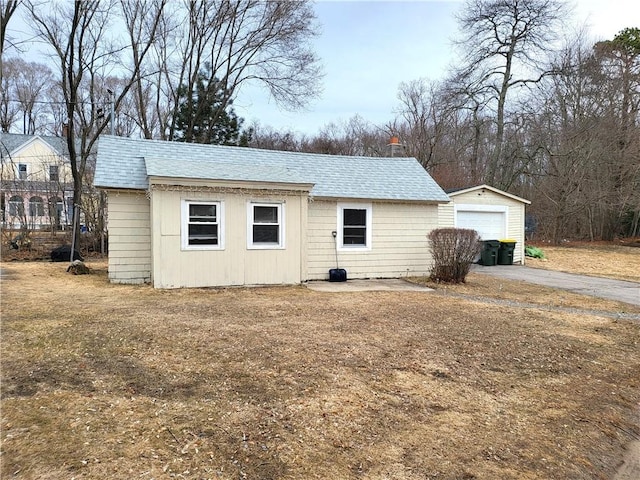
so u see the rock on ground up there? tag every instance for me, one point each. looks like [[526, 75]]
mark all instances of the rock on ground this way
[[78, 268]]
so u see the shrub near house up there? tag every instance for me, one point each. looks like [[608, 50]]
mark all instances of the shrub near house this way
[[453, 251]]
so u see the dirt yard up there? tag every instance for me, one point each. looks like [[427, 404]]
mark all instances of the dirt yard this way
[[121, 382]]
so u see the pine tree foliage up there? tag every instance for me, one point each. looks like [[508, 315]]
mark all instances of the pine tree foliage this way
[[207, 116]]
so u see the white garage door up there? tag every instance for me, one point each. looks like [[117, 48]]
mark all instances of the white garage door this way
[[490, 225]]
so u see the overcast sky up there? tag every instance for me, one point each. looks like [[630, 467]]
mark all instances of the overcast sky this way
[[369, 47]]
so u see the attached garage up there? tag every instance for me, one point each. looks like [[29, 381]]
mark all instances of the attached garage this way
[[493, 213]]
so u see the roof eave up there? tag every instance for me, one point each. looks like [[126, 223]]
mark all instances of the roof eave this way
[[492, 189], [255, 185], [121, 189], [377, 199]]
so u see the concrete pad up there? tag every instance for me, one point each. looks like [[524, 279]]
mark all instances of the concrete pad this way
[[371, 285]]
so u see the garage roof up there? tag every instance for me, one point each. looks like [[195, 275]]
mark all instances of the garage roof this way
[[453, 193]]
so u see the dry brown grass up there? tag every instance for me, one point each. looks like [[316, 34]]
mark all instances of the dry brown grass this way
[[120, 382], [600, 260]]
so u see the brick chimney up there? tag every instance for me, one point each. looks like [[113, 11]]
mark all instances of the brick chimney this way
[[395, 148], [65, 130]]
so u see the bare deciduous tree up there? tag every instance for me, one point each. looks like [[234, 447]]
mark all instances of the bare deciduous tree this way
[[502, 40], [78, 35], [30, 82], [9, 110], [584, 179], [427, 117], [270, 139], [9, 8], [353, 137], [236, 43]]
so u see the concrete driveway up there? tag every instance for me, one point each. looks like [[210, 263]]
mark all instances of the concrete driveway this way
[[622, 291]]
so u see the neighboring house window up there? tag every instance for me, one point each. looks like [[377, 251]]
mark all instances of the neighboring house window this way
[[16, 206], [354, 226], [22, 171], [36, 207], [53, 173], [265, 225], [202, 224]]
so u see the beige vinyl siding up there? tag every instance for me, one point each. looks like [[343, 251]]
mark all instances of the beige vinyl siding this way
[[446, 215], [235, 264], [129, 237], [515, 215], [399, 244]]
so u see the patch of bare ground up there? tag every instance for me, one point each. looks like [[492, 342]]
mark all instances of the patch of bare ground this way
[[609, 260], [120, 382]]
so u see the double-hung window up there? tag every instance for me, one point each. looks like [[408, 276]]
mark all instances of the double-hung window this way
[[202, 225], [53, 173], [265, 228], [22, 171], [354, 226]]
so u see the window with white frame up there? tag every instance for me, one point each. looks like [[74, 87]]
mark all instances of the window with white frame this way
[[22, 171], [36, 207], [265, 225], [354, 226], [202, 225]]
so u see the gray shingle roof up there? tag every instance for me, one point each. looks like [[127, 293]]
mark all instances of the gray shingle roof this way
[[127, 163], [10, 142]]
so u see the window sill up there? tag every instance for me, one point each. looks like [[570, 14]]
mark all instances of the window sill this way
[[266, 246], [355, 248], [197, 248]]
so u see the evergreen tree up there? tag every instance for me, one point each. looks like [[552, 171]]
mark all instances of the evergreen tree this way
[[203, 117]]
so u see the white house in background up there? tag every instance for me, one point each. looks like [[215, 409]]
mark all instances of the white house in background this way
[[37, 187], [190, 215], [493, 213]]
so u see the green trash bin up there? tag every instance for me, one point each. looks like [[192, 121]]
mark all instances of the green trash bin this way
[[489, 254], [505, 252]]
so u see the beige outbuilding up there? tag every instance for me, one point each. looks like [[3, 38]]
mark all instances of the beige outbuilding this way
[[493, 213], [190, 215]]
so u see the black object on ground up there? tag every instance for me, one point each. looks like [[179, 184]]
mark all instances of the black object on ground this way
[[505, 253], [337, 275], [489, 254], [63, 254]]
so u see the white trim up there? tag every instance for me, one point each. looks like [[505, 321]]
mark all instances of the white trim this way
[[491, 189], [281, 224], [18, 171], [340, 226], [184, 221]]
